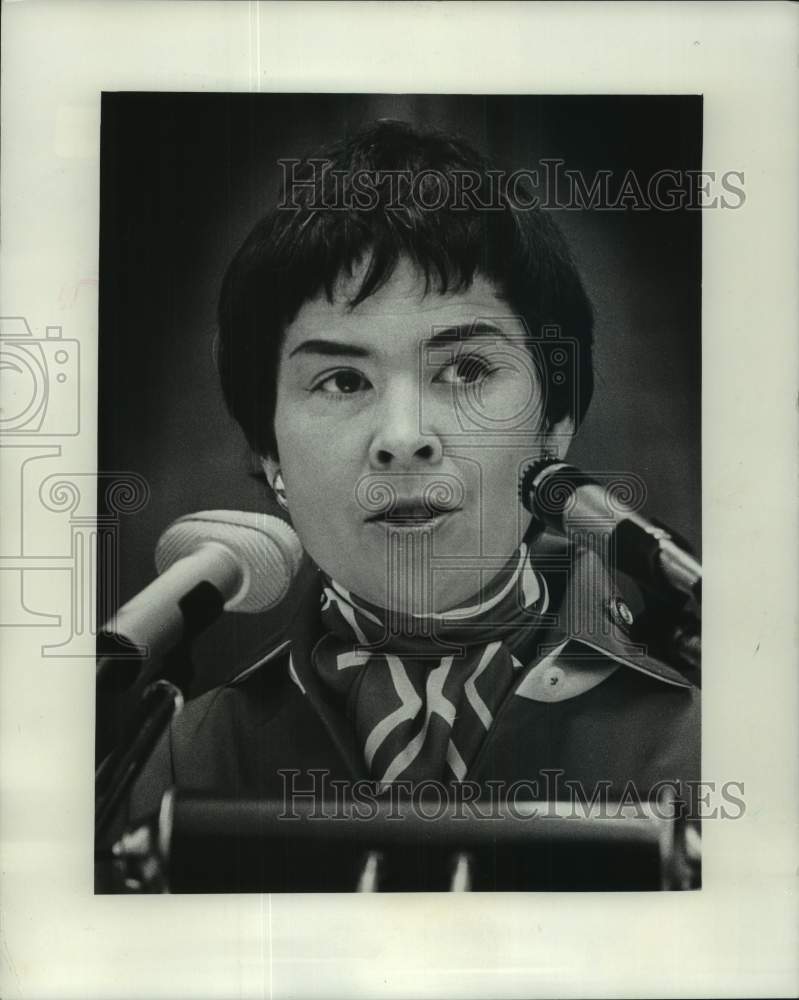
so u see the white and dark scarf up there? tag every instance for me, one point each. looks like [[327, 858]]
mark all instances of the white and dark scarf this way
[[422, 696]]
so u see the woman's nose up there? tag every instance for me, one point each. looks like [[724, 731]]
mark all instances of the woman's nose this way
[[398, 441]]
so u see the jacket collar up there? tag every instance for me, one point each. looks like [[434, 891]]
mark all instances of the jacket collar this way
[[594, 620], [589, 625]]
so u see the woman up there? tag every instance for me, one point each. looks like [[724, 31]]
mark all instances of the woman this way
[[398, 350]]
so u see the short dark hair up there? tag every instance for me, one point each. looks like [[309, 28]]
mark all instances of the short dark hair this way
[[324, 226]]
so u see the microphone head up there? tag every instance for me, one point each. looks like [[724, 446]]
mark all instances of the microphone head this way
[[545, 487], [265, 548]]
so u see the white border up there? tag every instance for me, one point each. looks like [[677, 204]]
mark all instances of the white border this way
[[737, 936]]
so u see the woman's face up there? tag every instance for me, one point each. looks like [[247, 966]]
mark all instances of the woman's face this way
[[402, 427]]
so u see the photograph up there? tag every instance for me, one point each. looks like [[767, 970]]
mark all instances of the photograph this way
[[412, 385], [379, 382]]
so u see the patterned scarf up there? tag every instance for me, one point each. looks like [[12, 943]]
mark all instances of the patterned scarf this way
[[422, 696]]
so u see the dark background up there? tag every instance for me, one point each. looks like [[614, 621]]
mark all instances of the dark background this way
[[185, 176]]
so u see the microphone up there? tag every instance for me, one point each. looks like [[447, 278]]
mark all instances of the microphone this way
[[566, 499], [208, 562]]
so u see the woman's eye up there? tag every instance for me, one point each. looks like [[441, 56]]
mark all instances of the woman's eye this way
[[342, 383], [466, 370]]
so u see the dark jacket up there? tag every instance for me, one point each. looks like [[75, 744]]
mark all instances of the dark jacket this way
[[591, 710]]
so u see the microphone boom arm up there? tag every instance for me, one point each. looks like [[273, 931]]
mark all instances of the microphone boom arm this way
[[568, 501]]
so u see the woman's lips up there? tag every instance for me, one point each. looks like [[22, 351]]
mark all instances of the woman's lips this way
[[411, 509], [419, 519]]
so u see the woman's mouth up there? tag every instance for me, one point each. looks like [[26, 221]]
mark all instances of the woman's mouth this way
[[412, 514]]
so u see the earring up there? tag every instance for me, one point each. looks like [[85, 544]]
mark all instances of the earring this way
[[279, 489]]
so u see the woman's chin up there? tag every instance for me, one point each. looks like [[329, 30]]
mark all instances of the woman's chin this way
[[448, 590]]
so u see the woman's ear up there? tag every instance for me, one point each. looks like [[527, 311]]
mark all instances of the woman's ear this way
[[271, 469], [558, 437], [275, 479]]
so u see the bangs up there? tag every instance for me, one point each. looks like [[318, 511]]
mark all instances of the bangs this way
[[323, 233], [445, 252]]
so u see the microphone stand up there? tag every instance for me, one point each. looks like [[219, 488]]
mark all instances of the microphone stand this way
[[156, 686], [671, 630], [157, 705], [661, 563], [670, 579], [120, 666]]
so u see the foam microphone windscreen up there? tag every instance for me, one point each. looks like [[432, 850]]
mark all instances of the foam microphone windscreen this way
[[264, 548]]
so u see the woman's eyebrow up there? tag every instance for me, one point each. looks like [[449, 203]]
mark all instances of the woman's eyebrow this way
[[463, 331], [331, 348], [441, 335]]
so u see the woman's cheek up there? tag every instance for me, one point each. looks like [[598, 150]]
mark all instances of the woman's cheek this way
[[303, 433], [320, 469]]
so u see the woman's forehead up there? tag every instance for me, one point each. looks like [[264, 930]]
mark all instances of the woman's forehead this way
[[403, 305]]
